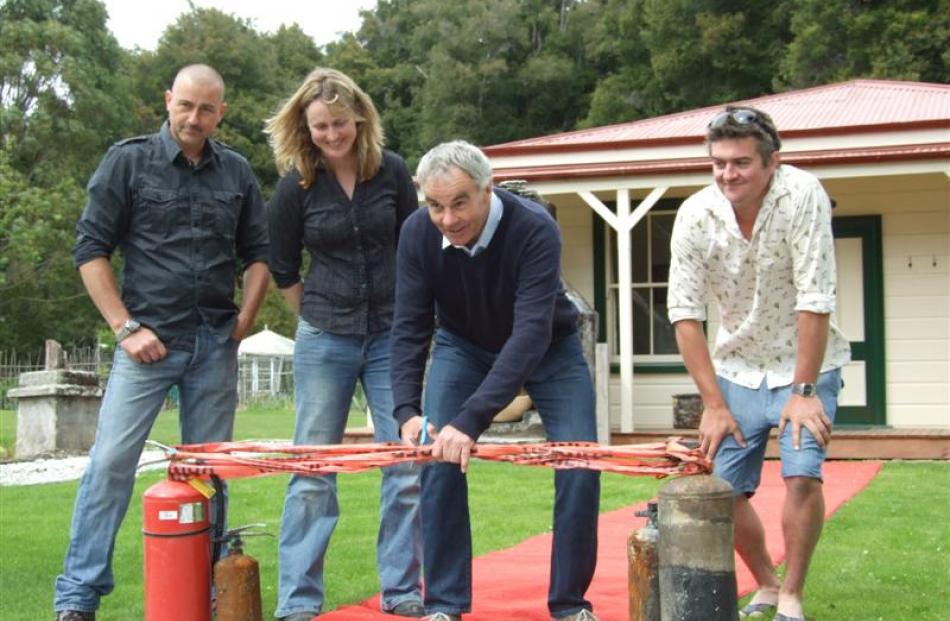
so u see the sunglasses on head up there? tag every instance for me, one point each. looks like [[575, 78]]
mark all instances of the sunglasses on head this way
[[741, 116]]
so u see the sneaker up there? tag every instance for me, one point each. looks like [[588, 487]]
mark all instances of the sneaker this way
[[299, 616], [441, 616], [582, 615], [408, 609], [76, 615]]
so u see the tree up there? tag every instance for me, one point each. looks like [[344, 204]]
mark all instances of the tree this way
[[836, 40], [487, 71], [64, 97], [296, 54], [41, 296], [556, 76], [704, 52], [616, 49]]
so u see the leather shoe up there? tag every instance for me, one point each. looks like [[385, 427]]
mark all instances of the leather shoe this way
[[76, 615], [408, 609]]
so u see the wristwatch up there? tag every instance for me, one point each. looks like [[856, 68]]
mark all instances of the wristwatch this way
[[805, 389], [127, 328]]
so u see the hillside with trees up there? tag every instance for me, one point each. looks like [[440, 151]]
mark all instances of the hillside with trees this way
[[485, 70]]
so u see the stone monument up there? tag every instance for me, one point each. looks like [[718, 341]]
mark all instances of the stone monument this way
[[57, 408]]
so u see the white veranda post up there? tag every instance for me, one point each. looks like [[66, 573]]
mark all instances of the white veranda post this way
[[622, 223]]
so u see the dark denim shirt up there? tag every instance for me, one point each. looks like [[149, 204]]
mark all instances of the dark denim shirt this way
[[185, 232], [351, 242]]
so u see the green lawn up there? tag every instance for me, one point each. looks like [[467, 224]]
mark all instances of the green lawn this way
[[7, 433], [257, 422], [883, 556], [34, 527]]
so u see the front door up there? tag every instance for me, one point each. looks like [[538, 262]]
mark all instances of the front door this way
[[860, 315]]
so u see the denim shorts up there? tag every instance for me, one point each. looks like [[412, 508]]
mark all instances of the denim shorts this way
[[757, 411]]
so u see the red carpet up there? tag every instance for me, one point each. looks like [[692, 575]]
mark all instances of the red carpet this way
[[512, 583]]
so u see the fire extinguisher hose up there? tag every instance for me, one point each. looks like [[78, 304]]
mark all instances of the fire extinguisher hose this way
[[217, 534]]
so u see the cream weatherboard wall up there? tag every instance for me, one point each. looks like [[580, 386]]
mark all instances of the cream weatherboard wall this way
[[577, 263], [915, 217]]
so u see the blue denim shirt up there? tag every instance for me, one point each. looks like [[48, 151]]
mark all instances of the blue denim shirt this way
[[185, 232]]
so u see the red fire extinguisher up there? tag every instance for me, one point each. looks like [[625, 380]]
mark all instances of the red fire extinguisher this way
[[177, 529]]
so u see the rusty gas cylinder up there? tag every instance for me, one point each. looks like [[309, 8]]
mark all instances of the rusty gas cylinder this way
[[237, 582], [697, 565], [643, 575]]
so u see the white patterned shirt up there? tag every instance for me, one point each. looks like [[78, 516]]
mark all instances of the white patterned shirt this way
[[759, 284]]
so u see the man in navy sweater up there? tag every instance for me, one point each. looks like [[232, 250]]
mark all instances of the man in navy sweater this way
[[486, 263]]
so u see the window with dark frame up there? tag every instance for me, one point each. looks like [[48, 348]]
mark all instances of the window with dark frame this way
[[653, 337]]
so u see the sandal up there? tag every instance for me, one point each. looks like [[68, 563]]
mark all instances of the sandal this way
[[758, 611]]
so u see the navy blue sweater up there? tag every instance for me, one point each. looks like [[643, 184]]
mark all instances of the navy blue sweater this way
[[506, 300]]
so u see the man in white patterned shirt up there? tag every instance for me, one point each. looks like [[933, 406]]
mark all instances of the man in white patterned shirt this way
[[758, 244]]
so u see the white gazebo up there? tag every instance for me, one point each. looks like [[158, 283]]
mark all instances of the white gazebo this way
[[264, 358]]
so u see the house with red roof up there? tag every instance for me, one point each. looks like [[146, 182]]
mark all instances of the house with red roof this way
[[881, 149]]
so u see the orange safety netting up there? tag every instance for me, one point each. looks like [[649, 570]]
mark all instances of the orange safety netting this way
[[231, 460]]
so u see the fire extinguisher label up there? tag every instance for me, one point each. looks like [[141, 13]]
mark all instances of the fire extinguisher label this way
[[167, 515], [191, 513]]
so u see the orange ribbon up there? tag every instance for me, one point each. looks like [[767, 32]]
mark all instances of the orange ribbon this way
[[232, 460]]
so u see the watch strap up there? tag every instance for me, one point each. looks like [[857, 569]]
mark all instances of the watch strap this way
[[127, 329]]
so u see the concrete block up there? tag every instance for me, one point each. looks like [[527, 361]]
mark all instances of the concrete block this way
[[59, 376], [59, 417]]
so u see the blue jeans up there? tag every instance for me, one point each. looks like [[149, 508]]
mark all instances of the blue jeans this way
[[326, 368], [207, 383], [562, 392], [757, 411]]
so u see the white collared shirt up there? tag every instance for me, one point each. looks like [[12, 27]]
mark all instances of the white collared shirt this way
[[759, 284], [491, 224]]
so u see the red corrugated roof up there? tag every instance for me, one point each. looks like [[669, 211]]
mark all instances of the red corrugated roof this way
[[846, 107], [561, 172]]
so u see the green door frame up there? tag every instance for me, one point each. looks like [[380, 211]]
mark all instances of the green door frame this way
[[871, 350]]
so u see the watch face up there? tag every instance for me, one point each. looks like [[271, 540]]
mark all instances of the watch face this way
[[805, 390]]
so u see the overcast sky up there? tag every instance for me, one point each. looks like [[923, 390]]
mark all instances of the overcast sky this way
[[141, 22]]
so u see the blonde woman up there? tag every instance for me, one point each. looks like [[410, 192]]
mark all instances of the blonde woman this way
[[343, 198]]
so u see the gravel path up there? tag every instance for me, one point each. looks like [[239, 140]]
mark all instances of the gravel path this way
[[62, 469]]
